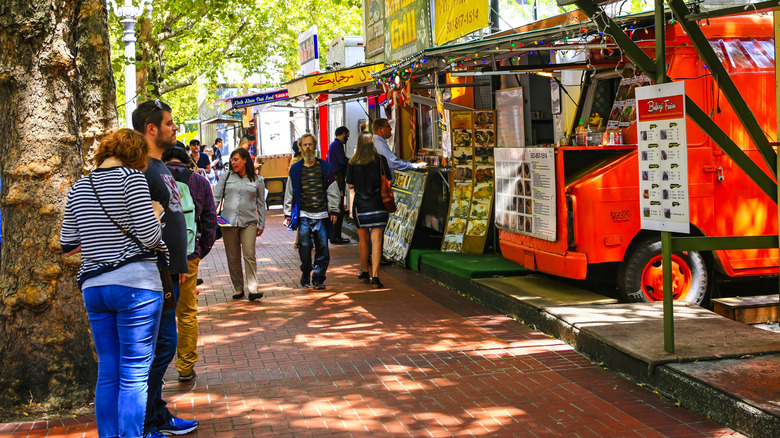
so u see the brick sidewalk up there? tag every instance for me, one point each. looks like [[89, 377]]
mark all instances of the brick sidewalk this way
[[413, 359]]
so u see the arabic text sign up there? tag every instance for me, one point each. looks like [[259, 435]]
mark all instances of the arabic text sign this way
[[257, 99], [340, 79], [406, 28], [663, 157], [455, 18]]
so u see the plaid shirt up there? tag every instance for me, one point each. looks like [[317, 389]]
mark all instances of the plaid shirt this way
[[205, 210]]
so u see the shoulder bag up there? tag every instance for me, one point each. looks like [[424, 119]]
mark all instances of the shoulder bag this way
[[220, 207], [169, 300], [384, 184]]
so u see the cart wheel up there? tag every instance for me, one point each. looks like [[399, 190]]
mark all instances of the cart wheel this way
[[640, 278]]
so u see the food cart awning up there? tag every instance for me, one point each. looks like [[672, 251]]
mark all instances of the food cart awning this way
[[223, 118], [569, 31], [333, 80]]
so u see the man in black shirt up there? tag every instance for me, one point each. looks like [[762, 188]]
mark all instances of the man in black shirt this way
[[154, 120]]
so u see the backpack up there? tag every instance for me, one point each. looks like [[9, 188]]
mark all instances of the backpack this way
[[188, 206]]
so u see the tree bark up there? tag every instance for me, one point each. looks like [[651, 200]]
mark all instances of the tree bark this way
[[57, 99]]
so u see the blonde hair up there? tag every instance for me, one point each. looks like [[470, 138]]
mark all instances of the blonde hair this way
[[243, 141], [127, 145], [365, 153]]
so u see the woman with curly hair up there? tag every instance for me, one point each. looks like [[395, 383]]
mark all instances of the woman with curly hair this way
[[118, 277]]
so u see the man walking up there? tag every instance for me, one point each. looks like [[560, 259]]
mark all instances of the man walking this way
[[154, 120], [337, 158], [205, 216], [311, 195], [382, 132]]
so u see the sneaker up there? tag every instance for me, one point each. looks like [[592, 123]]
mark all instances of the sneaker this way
[[318, 285], [177, 426], [187, 377], [305, 281], [154, 434], [363, 275]]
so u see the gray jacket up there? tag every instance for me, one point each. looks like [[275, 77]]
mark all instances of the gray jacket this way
[[244, 200]]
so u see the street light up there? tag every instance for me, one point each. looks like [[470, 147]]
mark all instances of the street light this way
[[127, 14]]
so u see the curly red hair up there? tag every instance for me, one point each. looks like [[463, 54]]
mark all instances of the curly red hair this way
[[127, 145]]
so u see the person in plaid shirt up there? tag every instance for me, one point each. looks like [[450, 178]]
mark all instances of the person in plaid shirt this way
[[206, 219]]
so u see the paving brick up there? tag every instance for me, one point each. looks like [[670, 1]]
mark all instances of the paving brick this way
[[414, 359]]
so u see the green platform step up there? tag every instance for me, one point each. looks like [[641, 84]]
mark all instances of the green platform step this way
[[468, 266]]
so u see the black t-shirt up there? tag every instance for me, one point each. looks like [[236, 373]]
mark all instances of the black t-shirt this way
[[366, 179], [163, 189]]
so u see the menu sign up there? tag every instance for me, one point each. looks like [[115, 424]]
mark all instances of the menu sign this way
[[663, 157], [473, 142], [408, 190], [375, 29], [525, 191]]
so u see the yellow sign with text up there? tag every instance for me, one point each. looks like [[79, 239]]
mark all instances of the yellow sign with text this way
[[455, 18], [330, 81]]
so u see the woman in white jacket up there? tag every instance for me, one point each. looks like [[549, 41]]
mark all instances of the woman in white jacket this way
[[242, 193]]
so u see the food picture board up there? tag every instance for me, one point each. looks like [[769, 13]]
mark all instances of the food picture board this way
[[662, 153], [525, 191], [471, 202], [623, 112], [510, 124], [408, 188]]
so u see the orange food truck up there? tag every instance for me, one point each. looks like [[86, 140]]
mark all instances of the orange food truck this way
[[597, 213]]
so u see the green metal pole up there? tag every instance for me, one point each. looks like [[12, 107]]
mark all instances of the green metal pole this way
[[666, 237]]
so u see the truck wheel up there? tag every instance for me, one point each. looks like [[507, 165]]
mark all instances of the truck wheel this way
[[640, 278]]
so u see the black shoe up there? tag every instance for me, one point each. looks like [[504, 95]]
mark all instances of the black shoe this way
[[385, 261], [255, 296], [319, 286], [363, 275], [305, 281], [339, 240], [199, 282], [238, 295], [187, 377], [375, 282]]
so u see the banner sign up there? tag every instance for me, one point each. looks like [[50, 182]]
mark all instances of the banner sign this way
[[375, 29], [257, 99], [663, 157], [407, 28], [309, 51], [330, 81], [455, 18]]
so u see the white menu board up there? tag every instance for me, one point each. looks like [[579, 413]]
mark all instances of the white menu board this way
[[525, 191], [663, 157]]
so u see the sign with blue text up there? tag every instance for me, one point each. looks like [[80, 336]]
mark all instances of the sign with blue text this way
[[257, 99]]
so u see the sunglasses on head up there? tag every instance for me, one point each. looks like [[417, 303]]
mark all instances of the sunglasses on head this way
[[159, 104]]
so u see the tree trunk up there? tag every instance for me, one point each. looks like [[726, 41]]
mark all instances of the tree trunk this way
[[57, 99]]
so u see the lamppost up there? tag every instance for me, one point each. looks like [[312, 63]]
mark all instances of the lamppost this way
[[127, 14]]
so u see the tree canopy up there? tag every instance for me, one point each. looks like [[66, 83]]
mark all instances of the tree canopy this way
[[187, 41]]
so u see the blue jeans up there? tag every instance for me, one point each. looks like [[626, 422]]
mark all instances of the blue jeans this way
[[313, 230], [124, 323], [156, 412]]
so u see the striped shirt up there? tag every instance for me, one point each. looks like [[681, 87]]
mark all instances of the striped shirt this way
[[104, 248], [313, 194]]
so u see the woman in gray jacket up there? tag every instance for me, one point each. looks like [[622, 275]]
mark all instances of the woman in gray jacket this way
[[242, 193]]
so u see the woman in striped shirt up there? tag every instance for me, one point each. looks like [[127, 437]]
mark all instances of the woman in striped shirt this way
[[118, 277]]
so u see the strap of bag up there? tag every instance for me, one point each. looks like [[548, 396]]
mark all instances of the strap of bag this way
[[160, 260], [222, 199]]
